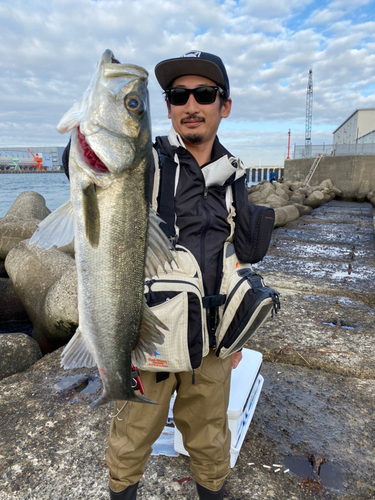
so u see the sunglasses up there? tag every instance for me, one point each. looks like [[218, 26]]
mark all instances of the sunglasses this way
[[203, 95]]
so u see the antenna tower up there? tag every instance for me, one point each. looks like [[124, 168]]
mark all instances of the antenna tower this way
[[309, 103]]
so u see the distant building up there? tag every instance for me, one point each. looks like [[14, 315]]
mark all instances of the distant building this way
[[52, 155], [359, 124], [367, 138]]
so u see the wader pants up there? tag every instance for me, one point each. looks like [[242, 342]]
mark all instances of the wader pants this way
[[200, 414]]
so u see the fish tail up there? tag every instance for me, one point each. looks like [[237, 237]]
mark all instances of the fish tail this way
[[131, 396]]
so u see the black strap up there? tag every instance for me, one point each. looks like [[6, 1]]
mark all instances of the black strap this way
[[238, 190], [166, 194], [161, 376], [213, 301]]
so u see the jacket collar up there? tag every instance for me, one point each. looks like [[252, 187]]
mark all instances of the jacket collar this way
[[223, 168]]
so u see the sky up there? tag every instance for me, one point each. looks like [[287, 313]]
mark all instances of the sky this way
[[49, 51]]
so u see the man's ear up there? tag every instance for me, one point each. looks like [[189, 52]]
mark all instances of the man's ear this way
[[169, 108], [226, 108]]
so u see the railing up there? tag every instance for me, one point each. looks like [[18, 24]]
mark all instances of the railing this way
[[333, 150], [258, 174]]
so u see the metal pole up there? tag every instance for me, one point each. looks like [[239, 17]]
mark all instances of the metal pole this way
[[288, 158]]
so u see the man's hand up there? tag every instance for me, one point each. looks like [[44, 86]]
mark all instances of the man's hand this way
[[235, 359]]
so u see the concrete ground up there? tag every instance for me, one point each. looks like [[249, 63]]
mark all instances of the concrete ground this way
[[315, 415]]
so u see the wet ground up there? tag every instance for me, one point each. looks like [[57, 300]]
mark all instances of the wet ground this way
[[312, 434]]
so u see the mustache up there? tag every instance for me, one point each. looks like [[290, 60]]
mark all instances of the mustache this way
[[192, 117]]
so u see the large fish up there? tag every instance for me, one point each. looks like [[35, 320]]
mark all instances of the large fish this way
[[116, 234]]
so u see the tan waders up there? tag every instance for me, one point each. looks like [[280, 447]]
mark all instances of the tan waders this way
[[200, 413]]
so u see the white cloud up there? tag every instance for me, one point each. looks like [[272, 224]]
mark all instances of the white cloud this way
[[48, 52]]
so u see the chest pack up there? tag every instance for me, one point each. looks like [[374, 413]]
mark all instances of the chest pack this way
[[197, 322]]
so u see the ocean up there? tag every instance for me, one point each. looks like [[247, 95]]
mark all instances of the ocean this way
[[54, 187]]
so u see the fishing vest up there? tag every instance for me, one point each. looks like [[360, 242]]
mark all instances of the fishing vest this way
[[196, 322]]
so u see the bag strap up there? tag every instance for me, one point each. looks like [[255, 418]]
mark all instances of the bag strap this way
[[166, 208], [238, 191]]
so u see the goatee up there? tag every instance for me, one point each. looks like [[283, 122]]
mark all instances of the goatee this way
[[193, 138]]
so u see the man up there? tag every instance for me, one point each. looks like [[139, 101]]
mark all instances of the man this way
[[197, 96]]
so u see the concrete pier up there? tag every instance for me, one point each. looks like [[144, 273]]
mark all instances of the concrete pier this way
[[312, 435], [349, 173]]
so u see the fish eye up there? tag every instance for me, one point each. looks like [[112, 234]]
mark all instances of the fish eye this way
[[134, 104]]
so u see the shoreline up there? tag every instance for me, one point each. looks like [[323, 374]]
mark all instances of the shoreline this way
[[37, 172]]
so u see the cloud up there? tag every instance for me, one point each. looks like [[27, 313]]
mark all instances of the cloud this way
[[49, 50]]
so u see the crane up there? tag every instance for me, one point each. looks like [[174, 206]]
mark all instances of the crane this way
[[39, 161], [309, 103]]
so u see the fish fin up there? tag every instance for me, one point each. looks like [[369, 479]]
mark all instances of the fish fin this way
[[57, 229], [103, 399], [71, 119], [158, 247], [76, 353], [149, 336], [91, 214]]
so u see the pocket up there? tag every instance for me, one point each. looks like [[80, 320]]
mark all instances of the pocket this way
[[249, 303], [173, 355], [253, 231], [176, 299]]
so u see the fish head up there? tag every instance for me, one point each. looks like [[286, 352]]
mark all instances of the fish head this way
[[112, 119]]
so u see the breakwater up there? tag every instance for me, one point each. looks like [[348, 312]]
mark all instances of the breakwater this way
[[351, 174], [315, 413]]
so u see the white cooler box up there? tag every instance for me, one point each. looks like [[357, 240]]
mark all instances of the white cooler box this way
[[245, 388]]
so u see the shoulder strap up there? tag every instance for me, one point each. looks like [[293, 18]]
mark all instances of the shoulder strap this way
[[238, 190], [166, 209]]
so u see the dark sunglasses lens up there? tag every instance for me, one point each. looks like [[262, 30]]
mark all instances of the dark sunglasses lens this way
[[205, 95], [177, 97]]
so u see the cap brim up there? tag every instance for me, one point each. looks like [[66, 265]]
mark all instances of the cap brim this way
[[167, 71]]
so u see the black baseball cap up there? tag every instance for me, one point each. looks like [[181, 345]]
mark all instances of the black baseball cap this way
[[193, 63]]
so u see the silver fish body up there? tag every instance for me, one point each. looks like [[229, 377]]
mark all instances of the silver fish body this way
[[109, 169]]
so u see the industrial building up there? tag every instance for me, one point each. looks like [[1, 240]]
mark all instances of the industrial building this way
[[12, 157], [359, 124]]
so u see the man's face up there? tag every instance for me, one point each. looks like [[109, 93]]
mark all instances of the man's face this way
[[197, 123]]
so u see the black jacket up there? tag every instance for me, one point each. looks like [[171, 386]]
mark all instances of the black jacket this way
[[201, 212]]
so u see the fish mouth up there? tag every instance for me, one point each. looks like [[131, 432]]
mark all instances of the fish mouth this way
[[92, 159]]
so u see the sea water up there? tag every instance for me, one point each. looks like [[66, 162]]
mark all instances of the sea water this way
[[54, 187]]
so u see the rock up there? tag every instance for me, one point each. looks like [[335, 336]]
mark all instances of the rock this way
[[326, 184], [296, 185], [18, 353], [13, 230], [11, 306], [297, 198], [29, 205], [282, 193], [257, 198], [303, 209], [275, 201], [280, 217], [371, 197], [315, 199], [363, 190], [285, 214], [21, 220], [46, 283], [338, 193]]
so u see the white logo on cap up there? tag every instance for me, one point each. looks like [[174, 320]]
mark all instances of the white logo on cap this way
[[193, 53]]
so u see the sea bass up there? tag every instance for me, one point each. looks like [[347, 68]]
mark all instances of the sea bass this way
[[116, 234]]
